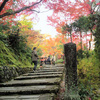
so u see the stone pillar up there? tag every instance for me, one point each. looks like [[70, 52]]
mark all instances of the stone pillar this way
[[71, 72]]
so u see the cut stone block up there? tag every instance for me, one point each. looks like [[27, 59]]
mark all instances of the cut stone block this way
[[30, 82], [42, 73], [29, 89], [37, 76], [29, 97]]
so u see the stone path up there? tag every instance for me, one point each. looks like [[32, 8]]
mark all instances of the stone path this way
[[43, 84]]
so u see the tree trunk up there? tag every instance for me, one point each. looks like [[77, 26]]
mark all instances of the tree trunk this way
[[86, 42], [81, 39], [71, 36]]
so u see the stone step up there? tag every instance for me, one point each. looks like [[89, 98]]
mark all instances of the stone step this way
[[29, 97], [43, 84], [44, 81], [25, 90], [49, 70], [37, 76], [42, 73], [53, 68]]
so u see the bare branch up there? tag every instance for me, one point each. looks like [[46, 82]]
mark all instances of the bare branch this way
[[39, 11], [14, 12], [35, 11]]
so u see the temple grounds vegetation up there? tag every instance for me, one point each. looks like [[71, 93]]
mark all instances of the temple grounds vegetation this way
[[14, 51], [17, 38], [88, 76]]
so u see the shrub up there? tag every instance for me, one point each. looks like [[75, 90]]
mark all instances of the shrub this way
[[59, 61], [88, 77], [83, 54]]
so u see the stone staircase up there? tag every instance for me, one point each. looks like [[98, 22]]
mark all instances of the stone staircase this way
[[43, 84]]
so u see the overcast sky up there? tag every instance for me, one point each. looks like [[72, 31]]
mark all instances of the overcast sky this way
[[43, 24]]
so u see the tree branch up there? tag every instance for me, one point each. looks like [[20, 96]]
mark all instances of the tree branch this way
[[14, 12], [39, 11], [92, 31], [3, 4], [35, 11]]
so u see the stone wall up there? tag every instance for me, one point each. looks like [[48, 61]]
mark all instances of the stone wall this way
[[8, 73]]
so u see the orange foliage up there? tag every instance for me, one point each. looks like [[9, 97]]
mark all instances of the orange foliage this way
[[52, 45], [58, 29]]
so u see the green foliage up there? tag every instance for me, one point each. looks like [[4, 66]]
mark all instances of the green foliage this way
[[59, 61], [92, 23], [17, 43], [7, 57], [3, 38], [67, 28], [39, 52], [13, 48], [9, 10], [4, 27], [88, 74], [97, 36], [83, 54], [94, 20], [26, 22], [82, 24]]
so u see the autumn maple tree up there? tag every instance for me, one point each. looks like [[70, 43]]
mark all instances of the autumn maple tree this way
[[68, 12], [63, 8], [10, 7], [64, 11], [54, 45]]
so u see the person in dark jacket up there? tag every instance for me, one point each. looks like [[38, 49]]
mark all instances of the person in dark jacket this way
[[49, 60], [34, 58]]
